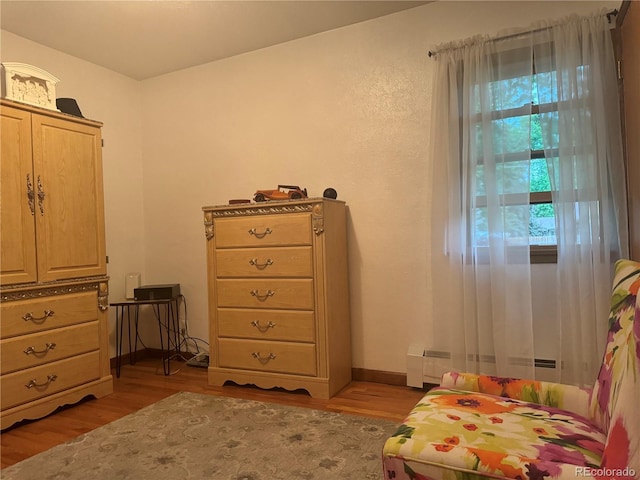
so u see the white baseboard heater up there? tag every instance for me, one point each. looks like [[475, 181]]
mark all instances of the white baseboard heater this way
[[426, 366]]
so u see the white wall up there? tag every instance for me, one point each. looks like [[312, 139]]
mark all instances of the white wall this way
[[347, 108]]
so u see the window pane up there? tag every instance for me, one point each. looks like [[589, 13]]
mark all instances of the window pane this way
[[517, 177], [510, 177], [512, 134], [518, 91], [480, 189], [513, 177], [545, 132], [512, 225], [511, 93], [542, 225], [508, 135], [535, 227], [537, 142], [540, 176], [544, 88]]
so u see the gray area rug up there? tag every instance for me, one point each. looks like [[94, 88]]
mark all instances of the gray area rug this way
[[195, 436]]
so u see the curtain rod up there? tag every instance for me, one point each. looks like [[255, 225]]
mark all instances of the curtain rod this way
[[613, 13]]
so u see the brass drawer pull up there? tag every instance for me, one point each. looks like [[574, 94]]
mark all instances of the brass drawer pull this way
[[260, 235], [260, 266], [34, 383], [257, 356], [256, 323], [33, 351], [256, 294], [29, 316]]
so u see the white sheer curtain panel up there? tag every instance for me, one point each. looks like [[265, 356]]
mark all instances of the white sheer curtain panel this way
[[583, 148], [481, 274], [512, 120]]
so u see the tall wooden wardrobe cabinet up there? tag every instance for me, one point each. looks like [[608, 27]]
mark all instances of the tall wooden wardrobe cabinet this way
[[53, 283], [279, 295]]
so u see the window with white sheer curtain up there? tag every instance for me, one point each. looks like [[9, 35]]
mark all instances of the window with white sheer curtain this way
[[527, 160]]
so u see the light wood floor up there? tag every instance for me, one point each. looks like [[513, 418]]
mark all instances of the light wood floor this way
[[143, 384]]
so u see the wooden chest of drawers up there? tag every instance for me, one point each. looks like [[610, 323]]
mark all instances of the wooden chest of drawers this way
[[52, 348], [279, 295]]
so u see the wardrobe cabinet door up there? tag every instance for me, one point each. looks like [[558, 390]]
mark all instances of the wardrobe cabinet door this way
[[67, 159], [17, 199]]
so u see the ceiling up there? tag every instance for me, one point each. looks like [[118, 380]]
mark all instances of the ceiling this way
[[143, 39]]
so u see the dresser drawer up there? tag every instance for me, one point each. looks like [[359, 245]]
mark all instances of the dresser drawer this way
[[265, 262], [261, 324], [263, 230], [266, 293], [280, 357], [35, 315], [27, 351], [48, 379]]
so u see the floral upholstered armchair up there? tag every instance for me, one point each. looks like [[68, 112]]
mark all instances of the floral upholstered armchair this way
[[475, 427]]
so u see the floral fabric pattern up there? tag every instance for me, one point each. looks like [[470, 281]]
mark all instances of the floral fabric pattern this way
[[470, 431], [614, 403], [568, 397], [475, 427], [621, 344]]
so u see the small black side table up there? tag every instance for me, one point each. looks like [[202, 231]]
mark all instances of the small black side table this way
[[170, 325]]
